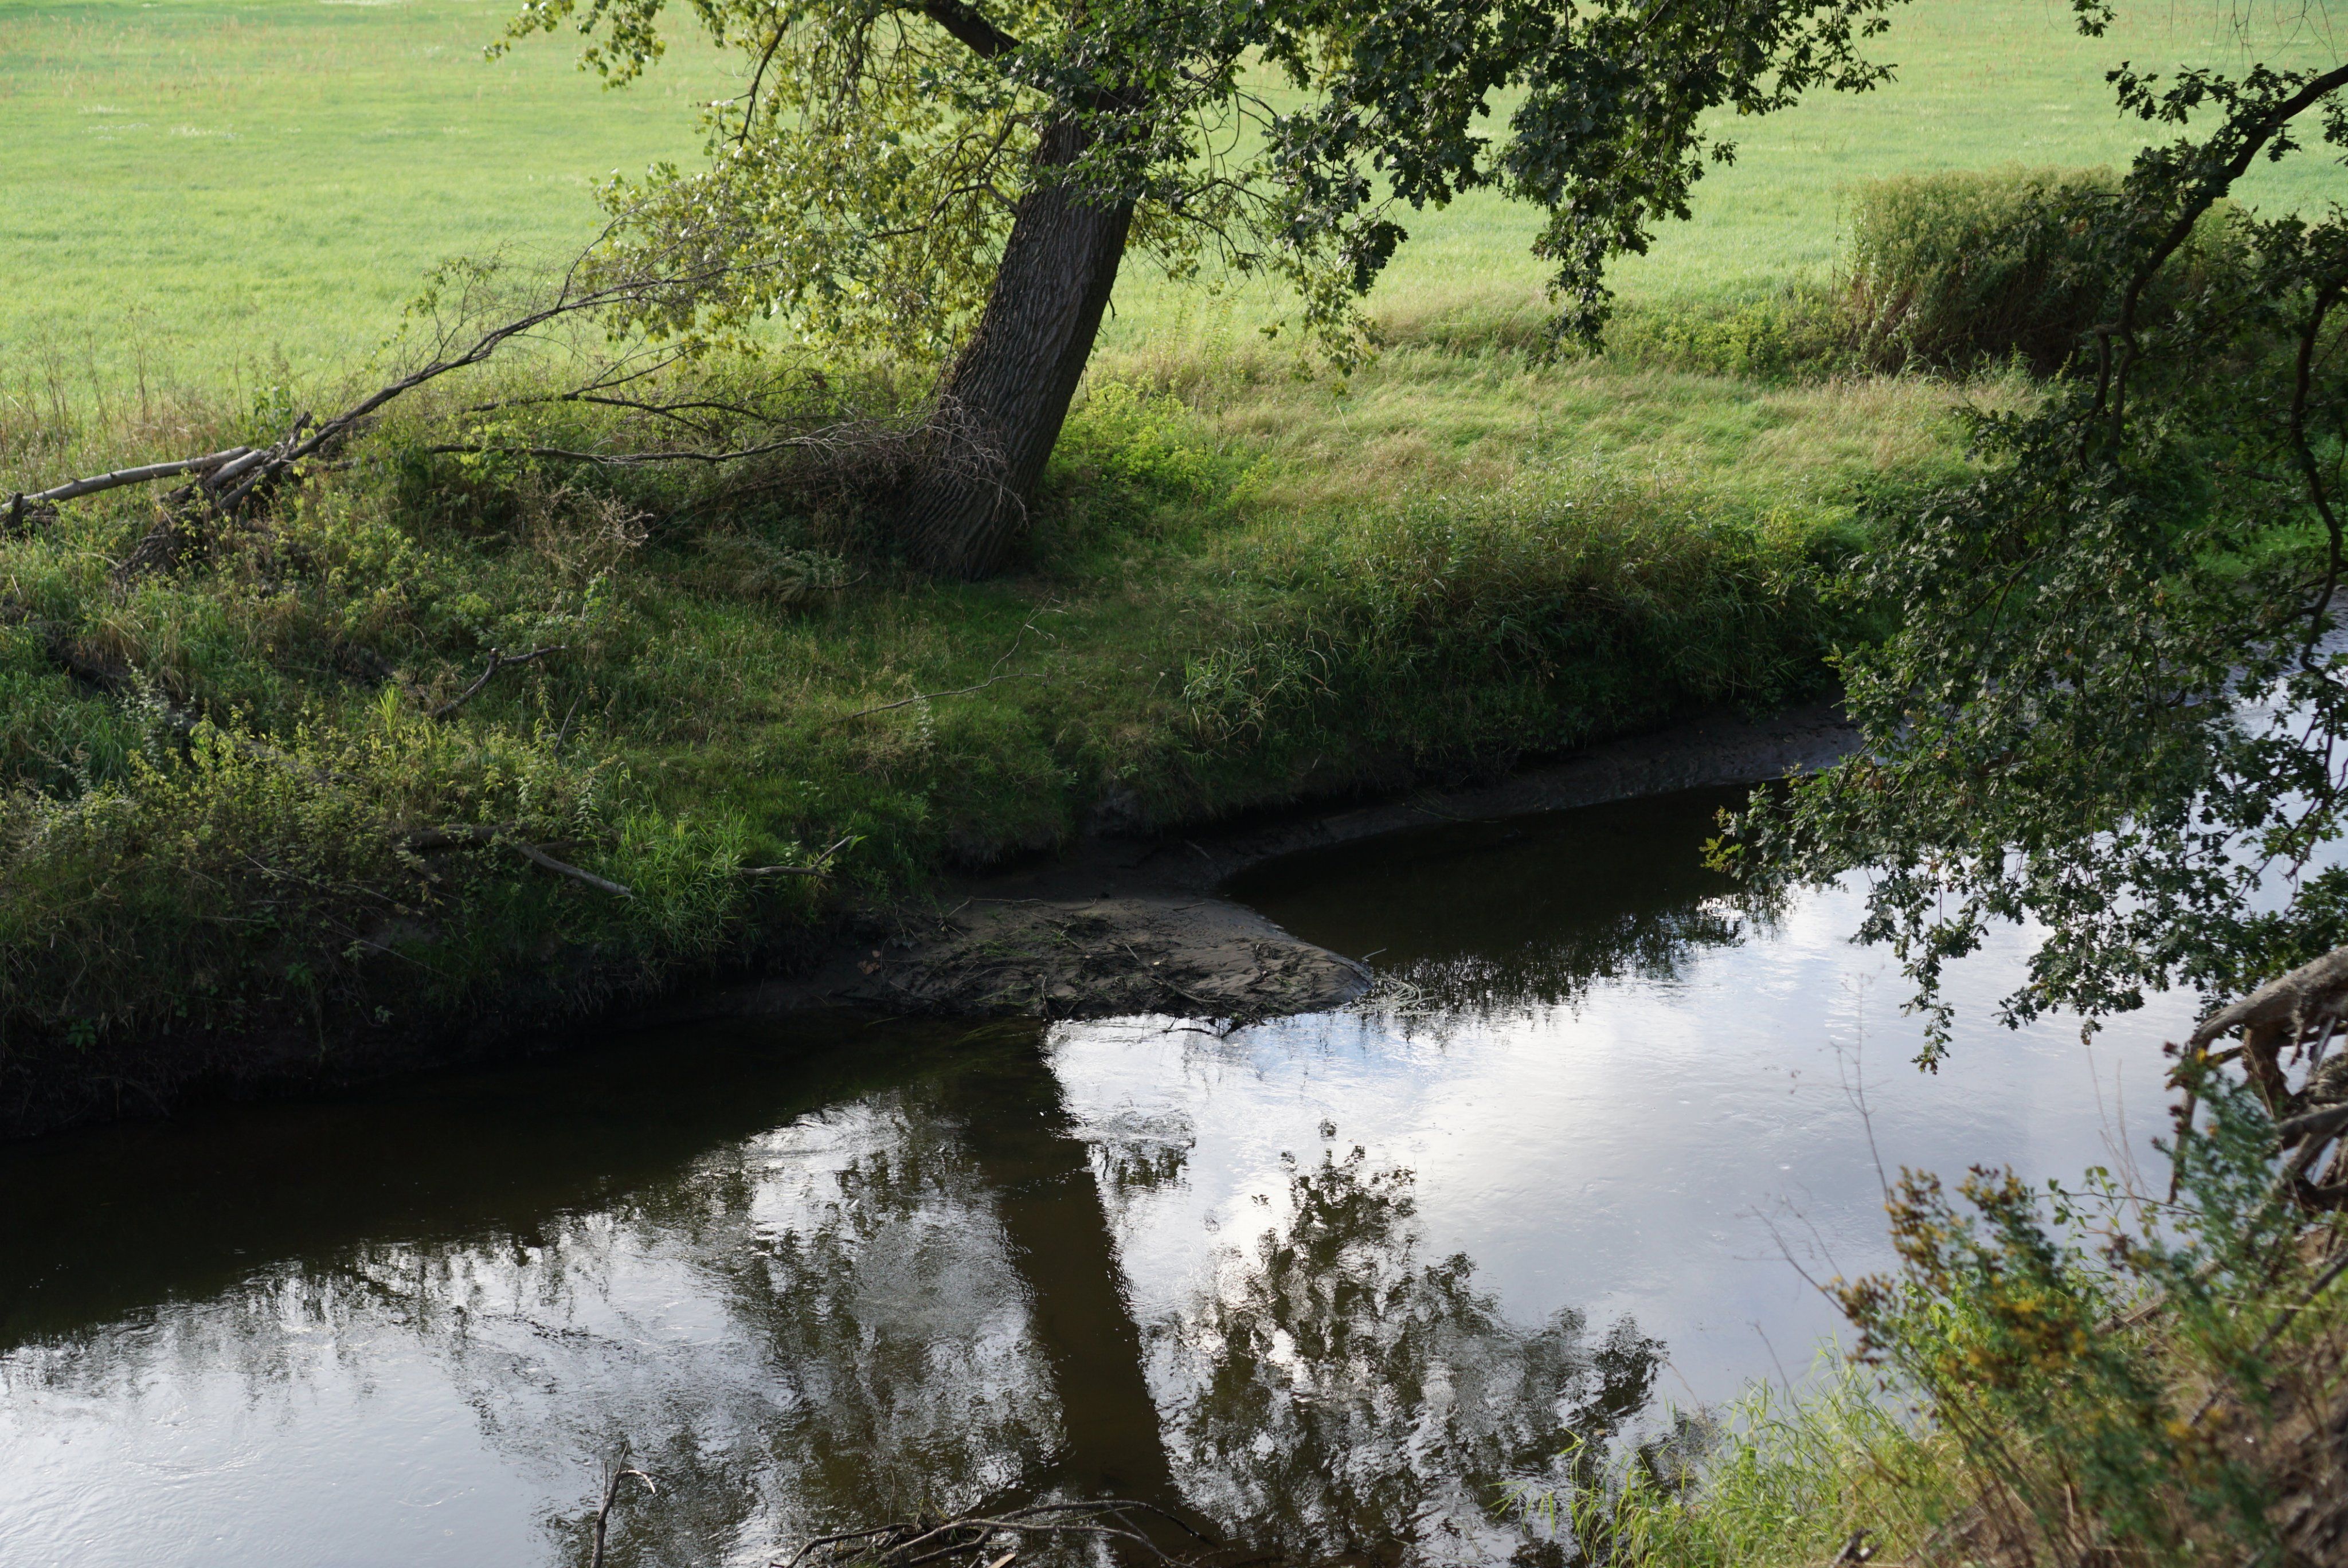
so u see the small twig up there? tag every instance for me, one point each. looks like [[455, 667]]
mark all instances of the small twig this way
[[603, 1512], [907, 1544], [496, 661], [564, 732], [603, 885], [933, 696], [2275, 1331], [817, 868], [424, 840]]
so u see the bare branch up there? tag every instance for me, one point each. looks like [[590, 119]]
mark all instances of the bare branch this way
[[603, 1512], [933, 696], [424, 840], [496, 661], [817, 868], [120, 477]]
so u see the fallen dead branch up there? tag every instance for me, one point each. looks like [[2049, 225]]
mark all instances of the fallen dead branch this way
[[995, 674], [118, 477], [817, 868], [933, 696], [427, 840], [532, 853], [993, 1540], [228, 478], [859, 454], [616, 1474], [496, 661]]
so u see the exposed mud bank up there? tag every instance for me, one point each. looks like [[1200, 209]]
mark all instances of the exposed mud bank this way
[[1116, 926], [1130, 926]]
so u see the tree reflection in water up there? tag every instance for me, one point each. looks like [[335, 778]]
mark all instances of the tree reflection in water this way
[[910, 1300], [1337, 1395], [1486, 918]]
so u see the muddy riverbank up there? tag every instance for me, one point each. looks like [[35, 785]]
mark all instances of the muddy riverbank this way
[[1114, 925], [1120, 926]]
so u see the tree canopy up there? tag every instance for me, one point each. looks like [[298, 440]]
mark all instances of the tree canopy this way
[[958, 183]]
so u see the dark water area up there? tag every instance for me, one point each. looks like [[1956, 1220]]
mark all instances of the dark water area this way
[[1331, 1281]]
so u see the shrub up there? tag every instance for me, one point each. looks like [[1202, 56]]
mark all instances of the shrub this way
[[2079, 1378], [1949, 269]]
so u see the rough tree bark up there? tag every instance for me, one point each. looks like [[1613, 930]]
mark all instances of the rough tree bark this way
[[1008, 394]]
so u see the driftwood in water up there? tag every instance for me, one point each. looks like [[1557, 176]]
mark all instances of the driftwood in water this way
[[1130, 1530]]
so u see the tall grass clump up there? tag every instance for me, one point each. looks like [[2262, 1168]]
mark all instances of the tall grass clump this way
[[1450, 632], [1949, 269]]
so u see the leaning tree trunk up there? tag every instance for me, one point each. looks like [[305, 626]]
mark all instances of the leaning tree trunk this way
[[1006, 397]]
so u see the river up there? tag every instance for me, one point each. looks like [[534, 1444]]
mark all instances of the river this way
[[1329, 1281]]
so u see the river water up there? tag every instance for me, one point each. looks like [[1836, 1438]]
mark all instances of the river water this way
[[1331, 1281]]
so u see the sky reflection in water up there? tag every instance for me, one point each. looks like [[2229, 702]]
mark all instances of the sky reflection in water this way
[[811, 1274]]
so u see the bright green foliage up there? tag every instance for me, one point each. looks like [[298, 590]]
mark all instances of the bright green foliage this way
[[861, 187], [2048, 1377], [2108, 705], [1776, 1477], [2081, 1440]]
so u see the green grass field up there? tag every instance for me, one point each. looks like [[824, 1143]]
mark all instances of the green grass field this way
[[206, 192], [197, 189]]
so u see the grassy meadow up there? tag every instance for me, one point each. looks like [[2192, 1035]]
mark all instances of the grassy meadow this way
[[209, 193]]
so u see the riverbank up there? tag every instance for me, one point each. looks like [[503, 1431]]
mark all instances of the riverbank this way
[[272, 812], [1120, 926]]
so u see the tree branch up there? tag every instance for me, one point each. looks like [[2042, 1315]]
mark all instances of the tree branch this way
[[424, 840], [532, 853], [933, 696], [970, 29], [821, 864], [496, 661]]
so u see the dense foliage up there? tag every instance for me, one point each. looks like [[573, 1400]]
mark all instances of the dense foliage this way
[[1946, 270], [2109, 703], [2048, 1376]]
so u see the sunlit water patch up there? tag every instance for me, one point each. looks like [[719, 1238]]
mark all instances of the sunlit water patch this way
[[1332, 1282]]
